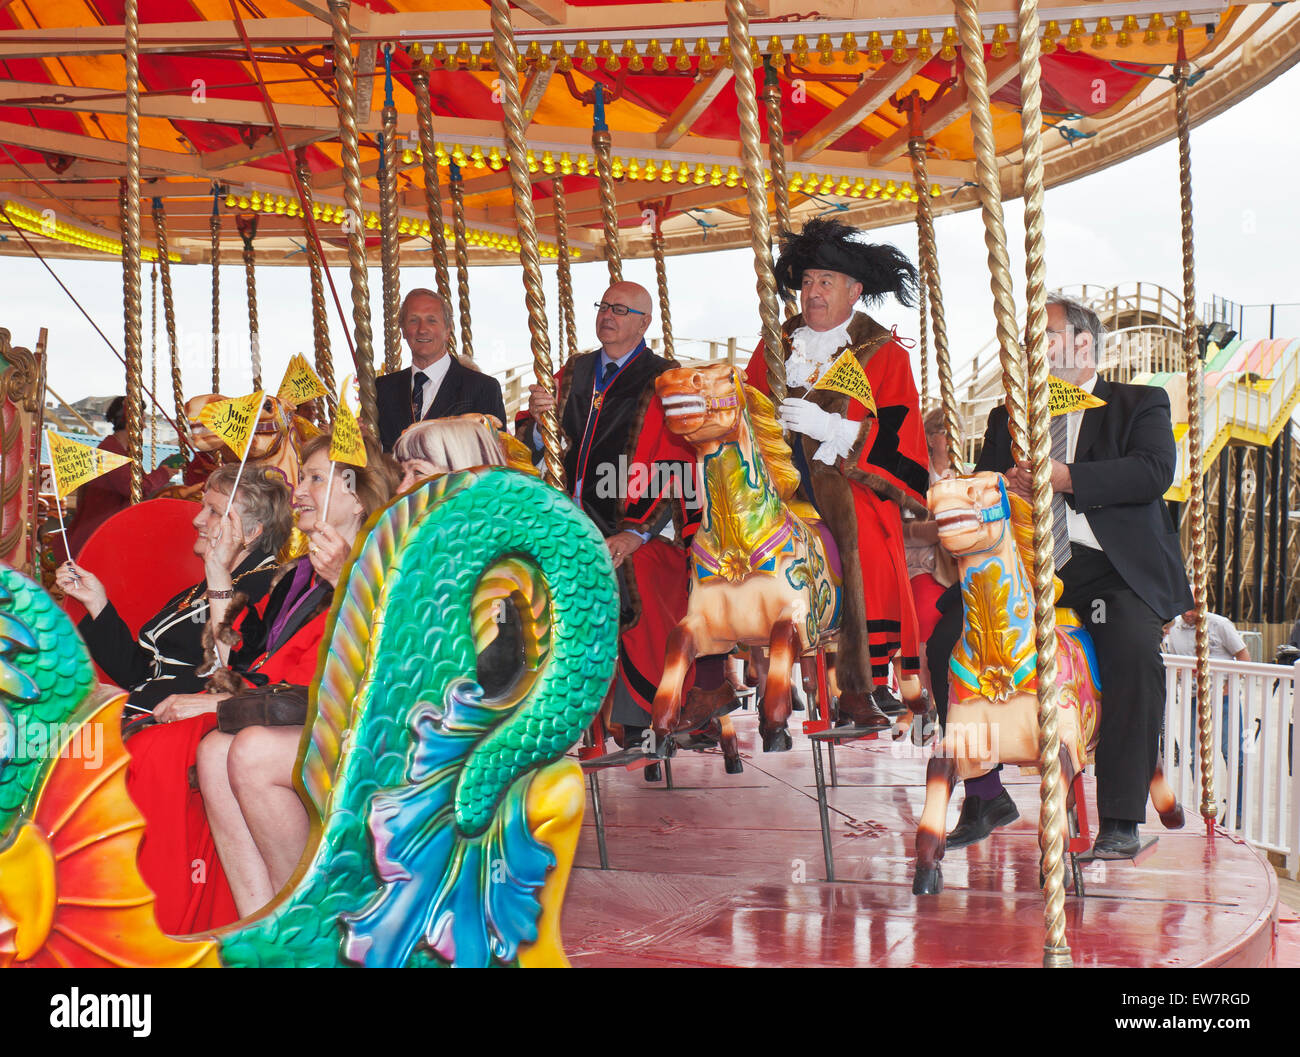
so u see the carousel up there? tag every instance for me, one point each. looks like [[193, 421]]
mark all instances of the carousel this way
[[449, 824]]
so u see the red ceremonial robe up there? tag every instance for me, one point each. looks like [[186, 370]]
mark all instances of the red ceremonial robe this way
[[633, 471], [860, 499]]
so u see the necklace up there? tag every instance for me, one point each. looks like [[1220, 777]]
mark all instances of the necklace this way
[[189, 595]]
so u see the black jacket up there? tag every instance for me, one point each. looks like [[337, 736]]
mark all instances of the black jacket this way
[[1123, 463], [463, 391]]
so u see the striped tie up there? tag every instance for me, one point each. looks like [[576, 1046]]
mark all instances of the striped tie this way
[[1060, 512]]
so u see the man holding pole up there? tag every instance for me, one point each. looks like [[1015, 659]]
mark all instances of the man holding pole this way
[[862, 458]]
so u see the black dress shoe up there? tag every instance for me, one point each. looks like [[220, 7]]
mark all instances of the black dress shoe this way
[[861, 711], [887, 702], [981, 817], [1117, 838]]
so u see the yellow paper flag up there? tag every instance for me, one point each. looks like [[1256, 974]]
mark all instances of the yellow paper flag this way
[[300, 383], [847, 376], [74, 464], [346, 444], [234, 420], [1062, 398]]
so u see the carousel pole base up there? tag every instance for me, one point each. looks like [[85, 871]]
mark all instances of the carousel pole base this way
[[723, 870]]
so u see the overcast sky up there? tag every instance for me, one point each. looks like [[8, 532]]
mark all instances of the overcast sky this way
[[1113, 227]]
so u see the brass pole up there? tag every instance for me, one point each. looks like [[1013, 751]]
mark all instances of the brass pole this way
[[432, 193], [922, 297], [153, 361], [390, 248], [503, 42], [247, 228], [776, 157], [134, 407], [319, 310], [1051, 818], [563, 275], [457, 186], [354, 228], [169, 322], [1195, 446], [600, 145], [661, 276], [760, 234], [989, 187], [930, 275], [215, 226]]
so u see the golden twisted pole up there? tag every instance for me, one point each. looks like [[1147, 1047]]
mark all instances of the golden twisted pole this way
[[169, 321], [1195, 446], [563, 275], [432, 193], [600, 146], [760, 232], [503, 42], [661, 277], [776, 158], [153, 361], [989, 188], [457, 187], [215, 226], [247, 228], [319, 310], [345, 82], [922, 298], [390, 248], [134, 408], [930, 277], [1051, 819]]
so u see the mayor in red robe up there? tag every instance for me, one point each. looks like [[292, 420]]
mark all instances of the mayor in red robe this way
[[860, 465]]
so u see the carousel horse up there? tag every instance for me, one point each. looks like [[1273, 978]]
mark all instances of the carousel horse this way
[[764, 571], [993, 673], [278, 435], [445, 818]]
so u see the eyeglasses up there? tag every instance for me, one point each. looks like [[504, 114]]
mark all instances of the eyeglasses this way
[[618, 310]]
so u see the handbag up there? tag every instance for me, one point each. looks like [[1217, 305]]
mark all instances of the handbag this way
[[276, 705]]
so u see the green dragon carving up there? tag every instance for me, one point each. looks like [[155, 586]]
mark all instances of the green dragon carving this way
[[447, 819]]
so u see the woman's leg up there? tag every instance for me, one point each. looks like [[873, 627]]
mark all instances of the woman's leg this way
[[249, 881], [260, 766]]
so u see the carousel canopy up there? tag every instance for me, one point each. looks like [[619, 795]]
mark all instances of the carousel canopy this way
[[232, 90]]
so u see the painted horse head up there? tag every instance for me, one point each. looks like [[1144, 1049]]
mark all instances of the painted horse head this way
[[972, 513], [276, 437], [703, 404]]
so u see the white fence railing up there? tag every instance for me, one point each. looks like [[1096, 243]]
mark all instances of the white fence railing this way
[[1255, 786]]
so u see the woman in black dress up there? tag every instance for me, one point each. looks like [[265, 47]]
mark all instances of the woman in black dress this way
[[169, 654]]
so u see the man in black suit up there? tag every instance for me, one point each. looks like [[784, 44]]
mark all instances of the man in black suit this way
[[437, 385], [1121, 568]]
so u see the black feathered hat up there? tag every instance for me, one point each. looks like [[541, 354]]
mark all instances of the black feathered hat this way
[[825, 243]]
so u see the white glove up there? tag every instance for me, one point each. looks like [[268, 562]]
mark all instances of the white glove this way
[[837, 434], [807, 418]]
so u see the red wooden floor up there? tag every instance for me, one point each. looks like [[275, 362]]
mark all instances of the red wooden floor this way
[[728, 870]]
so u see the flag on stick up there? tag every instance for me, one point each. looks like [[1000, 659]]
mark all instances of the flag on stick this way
[[300, 383], [846, 375]]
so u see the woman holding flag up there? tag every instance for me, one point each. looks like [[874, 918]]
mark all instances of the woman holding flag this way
[[245, 768]]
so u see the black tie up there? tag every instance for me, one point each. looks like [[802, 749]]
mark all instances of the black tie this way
[[608, 371], [417, 394]]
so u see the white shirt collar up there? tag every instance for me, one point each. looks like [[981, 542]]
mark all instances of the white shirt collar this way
[[436, 371]]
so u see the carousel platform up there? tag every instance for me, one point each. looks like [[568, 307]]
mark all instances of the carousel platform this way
[[727, 870]]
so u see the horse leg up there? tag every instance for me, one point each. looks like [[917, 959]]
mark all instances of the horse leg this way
[[1165, 803], [783, 648], [730, 747], [679, 655], [931, 835]]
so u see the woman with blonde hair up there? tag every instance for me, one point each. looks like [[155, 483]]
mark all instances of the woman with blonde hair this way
[[441, 445]]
